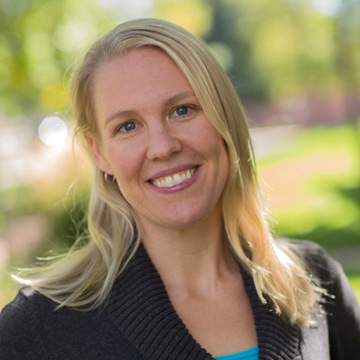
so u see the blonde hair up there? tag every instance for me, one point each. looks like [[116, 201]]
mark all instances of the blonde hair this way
[[86, 274]]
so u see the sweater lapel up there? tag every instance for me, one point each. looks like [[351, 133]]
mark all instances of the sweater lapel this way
[[277, 339], [140, 308]]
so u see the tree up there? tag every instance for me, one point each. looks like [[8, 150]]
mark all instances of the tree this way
[[39, 41]]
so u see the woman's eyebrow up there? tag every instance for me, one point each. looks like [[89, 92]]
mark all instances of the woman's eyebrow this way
[[119, 114], [178, 97]]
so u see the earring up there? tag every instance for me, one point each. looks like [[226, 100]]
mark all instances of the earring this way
[[107, 179]]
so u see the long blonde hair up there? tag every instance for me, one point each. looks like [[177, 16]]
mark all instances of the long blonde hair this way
[[86, 274]]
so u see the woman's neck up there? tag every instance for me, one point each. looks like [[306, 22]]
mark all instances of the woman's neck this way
[[195, 260]]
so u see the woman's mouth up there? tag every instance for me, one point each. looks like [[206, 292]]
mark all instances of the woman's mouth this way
[[173, 179]]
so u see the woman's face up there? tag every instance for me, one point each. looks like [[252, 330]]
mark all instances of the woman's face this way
[[169, 162]]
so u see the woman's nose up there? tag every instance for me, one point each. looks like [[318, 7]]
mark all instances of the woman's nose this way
[[162, 144]]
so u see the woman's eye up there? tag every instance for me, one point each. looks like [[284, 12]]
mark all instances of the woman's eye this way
[[127, 127], [182, 111]]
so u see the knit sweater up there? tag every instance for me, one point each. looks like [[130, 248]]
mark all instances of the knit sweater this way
[[138, 322]]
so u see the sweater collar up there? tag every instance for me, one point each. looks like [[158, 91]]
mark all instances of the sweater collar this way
[[277, 339], [140, 308]]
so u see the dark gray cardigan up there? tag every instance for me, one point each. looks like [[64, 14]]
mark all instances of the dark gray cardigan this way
[[138, 322]]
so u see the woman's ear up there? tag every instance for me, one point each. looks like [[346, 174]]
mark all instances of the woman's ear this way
[[99, 158]]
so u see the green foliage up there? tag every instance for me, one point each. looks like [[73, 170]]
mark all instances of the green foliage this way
[[230, 32], [39, 41], [271, 49], [198, 19]]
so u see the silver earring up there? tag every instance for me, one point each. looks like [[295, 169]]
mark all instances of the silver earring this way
[[108, 179]]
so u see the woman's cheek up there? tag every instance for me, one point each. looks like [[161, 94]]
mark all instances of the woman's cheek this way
[[125, 159]]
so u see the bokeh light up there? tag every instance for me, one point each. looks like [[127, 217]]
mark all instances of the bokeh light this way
[[327, 7], [53, 131]]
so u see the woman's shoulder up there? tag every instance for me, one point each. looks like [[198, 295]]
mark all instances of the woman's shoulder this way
[[27, 320], [18, 325], [315, 258], [303, 247], [31, 309], [27, 296], [27, 306], [340, 301], [33, 327], [25, 310], [23, 305]]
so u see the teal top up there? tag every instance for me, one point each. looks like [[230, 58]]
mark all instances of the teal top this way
[[251, 354]]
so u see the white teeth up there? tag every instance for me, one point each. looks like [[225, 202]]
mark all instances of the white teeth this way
[[175, 179], [169, 181]]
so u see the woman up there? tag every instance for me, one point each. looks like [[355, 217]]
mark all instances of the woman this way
[[179, 262]]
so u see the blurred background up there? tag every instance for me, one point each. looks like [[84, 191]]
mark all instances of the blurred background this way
[[294, 63]]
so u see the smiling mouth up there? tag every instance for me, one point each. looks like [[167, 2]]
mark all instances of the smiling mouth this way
[[174, 179]]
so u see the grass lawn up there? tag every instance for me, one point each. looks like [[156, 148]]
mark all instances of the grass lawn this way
[[313, 186]]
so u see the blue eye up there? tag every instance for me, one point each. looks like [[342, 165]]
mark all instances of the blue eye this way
[[127, 127], [182, 110]]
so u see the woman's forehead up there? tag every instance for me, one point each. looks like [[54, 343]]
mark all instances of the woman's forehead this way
[[141, 78]]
